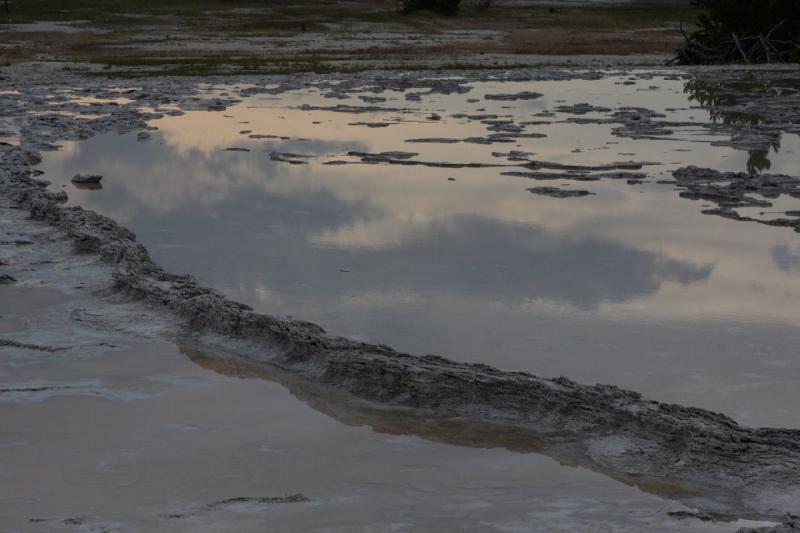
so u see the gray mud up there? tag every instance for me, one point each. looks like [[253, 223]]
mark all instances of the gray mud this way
[[702, 458], [731, 190]]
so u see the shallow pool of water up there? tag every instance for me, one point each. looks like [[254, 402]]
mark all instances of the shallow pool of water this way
[[147, 436], [630, 285]]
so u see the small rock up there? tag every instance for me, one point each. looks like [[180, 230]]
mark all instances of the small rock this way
[[288, 157], [372, 99], [524, 95], [443, 140], [683, 515], [86, 178], [371, 124], [555, 192]]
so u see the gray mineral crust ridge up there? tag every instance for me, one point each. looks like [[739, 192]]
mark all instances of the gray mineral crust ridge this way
[[732, 190], [701, 458]]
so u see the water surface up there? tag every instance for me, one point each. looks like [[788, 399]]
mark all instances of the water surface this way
[[632, 285]]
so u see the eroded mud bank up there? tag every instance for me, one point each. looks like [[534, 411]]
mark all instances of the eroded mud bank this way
[[699, 457]]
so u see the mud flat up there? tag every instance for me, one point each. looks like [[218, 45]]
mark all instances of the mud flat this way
[[704, 459]]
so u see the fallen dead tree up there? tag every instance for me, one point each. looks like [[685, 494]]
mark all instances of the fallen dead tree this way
[[748, 49], [744, 32]]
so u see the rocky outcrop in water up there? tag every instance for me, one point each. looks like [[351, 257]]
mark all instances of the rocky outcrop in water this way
[[732, 190]]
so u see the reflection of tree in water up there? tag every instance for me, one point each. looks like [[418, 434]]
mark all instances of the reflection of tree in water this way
[[721, 99], [758, 160]]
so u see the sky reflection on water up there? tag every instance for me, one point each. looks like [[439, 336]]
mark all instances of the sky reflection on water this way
[[633, 286]]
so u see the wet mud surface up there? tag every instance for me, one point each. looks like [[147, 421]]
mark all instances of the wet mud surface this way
[[705, 460]]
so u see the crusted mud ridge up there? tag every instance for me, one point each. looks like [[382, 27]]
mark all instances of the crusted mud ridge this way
[[702, 458], [731, 190]]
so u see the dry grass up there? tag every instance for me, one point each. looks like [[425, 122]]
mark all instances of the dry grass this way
[[26, 45], [560, 41]]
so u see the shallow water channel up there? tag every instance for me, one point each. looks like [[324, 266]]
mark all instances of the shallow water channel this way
[[630, 284]]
